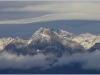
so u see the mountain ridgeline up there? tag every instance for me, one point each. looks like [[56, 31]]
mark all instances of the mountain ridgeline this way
[[47, 40]]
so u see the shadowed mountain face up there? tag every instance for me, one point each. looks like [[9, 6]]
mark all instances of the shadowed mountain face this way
[[95, 47]]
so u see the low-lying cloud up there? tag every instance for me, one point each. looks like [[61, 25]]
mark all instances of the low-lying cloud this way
[[8, 60], [88, 60]]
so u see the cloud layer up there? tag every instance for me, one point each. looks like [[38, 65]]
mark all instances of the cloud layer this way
[[8, 60], [87, 60], [53, 10], [59, 7], [52, 17]]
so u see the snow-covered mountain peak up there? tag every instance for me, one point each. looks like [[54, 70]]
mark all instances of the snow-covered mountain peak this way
[[18, 40], [87, 35], [49, 36], [65, 34], [17, 43], [5, 41], [43, 30], [87, 40], [43, 34], [59, 31]]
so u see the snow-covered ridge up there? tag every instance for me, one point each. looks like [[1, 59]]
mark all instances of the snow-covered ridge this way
[[65, 34], [18, 40], [4, 42], [52, 17], [87, 40], [44, 34]]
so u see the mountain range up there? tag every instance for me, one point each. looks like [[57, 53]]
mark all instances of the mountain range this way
[[47, 40], [50, 51]]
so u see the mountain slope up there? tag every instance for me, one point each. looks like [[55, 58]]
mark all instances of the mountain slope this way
[[18, 46], [4, 42], [95, 47], [87, 40], [65, 34], [49, 40], [45, 40]]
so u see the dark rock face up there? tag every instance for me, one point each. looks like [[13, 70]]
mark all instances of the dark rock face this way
[[95, 47], [24, 50]]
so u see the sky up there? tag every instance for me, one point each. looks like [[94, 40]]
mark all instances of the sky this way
[[23, 18]]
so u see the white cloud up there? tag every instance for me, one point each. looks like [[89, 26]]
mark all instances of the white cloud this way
[[58, 10], [52, 17]]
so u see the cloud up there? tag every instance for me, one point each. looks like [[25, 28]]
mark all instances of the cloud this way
[[60, 7], [57, 10], [8, 60], [87, 60], [52, 17]]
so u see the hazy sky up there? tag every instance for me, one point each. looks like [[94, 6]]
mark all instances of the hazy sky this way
[[24, 12]]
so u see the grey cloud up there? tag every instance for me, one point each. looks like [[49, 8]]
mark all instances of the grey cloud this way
[[19, 15], [18, 4], [79, 10], [87, 60], [55, 7], [11, 15], [8, 60]]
